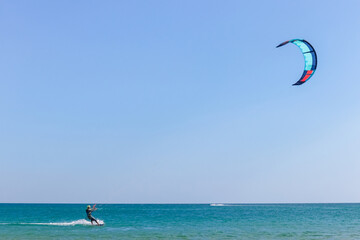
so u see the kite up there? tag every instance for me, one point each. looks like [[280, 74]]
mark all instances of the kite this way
[[309, 55]]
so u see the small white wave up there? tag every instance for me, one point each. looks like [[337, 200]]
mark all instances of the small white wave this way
[[216, 204], [72, 223]]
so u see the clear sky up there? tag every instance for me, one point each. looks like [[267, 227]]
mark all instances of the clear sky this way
[[178, 102]]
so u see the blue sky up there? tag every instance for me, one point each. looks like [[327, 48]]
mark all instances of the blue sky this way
[[178, 102]]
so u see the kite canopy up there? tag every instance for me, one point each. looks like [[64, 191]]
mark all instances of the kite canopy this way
[[309, 55]]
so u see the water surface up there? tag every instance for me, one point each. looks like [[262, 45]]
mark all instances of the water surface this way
[[181, 221]]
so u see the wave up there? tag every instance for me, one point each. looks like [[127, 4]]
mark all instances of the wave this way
[[229, 205], [82, 222]]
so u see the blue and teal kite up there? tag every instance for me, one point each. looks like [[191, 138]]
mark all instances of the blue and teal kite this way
[[309, 55]]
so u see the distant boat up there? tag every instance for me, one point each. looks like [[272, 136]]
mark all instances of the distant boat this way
[[216, 204]]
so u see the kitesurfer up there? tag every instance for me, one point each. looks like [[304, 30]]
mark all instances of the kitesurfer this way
[[89, 210]]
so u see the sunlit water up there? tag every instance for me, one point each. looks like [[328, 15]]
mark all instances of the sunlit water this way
[[183, 221]]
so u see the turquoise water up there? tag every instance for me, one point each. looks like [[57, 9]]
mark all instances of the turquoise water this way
[[181, 221]]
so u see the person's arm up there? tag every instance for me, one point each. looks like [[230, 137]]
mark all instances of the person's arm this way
[[94, 209]]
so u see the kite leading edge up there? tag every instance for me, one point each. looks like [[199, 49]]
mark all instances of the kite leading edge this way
[[309, 55]]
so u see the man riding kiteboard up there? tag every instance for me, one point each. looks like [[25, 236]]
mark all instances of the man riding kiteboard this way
[[89, 210]]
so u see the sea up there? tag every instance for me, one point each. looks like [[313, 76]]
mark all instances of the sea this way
[[181, 221]]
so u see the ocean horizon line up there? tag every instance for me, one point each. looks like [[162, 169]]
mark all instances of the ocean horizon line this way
[[207, 203]]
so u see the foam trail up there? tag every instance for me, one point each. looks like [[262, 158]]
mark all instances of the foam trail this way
[[72, 223]]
